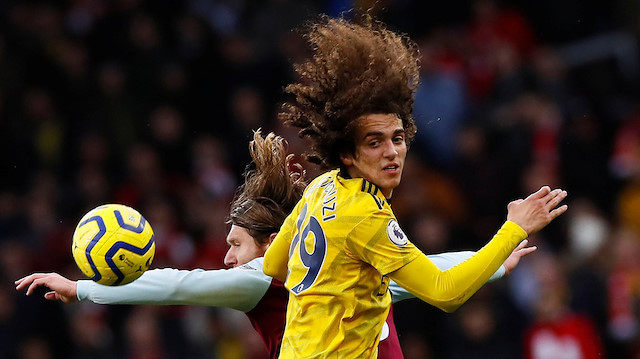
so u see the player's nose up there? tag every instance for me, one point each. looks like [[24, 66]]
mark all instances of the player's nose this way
[[390, 150], [229, 260]]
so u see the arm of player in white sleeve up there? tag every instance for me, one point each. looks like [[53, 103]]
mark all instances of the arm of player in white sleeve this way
[[443, 261], [239, 288]]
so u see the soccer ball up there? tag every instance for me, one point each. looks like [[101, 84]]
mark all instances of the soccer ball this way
[[113, 244]]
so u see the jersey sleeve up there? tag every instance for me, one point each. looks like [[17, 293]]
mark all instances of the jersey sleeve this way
[[379, 241], [277, 255], [443, 261], [449, 289], [238, 288]]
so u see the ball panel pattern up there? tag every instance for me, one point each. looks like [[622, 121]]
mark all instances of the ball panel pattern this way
[[113, 244]]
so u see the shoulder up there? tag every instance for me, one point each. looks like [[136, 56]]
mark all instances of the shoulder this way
[[372, 196], [321, 182]]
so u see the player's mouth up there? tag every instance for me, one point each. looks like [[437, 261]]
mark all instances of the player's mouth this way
[[392, 168]]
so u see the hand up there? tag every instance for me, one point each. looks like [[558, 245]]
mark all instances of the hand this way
[[514, 258], [62, 288], [537, 210]]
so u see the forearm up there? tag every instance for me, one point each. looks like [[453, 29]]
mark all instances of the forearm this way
[[449, 289], [443, 261], [237, 289]]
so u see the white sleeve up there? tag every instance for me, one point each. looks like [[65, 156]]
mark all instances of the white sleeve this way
[[443, 261], [239, 288]]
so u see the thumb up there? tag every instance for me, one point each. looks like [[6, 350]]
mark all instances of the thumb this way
[[514, 203]]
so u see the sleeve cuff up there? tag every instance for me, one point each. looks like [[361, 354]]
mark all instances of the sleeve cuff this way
[[83, 289], [516, 229]]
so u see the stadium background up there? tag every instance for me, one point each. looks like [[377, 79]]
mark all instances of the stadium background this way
[[152, 103]]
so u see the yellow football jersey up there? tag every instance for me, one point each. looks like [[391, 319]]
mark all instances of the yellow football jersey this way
[[343, 237], [335, 250]]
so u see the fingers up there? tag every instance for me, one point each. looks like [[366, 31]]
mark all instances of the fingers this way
[[24, 281], [51, 296], [526, 251], [557, 197], [31, 282], [543, 191], [522, 244], [551, 198], [558, 211], [34, 285], [522, 250]]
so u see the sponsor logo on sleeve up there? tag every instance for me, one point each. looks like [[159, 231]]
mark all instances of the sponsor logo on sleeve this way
[[395, 234]]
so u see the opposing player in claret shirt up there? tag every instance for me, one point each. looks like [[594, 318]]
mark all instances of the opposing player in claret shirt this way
[[341, 245]]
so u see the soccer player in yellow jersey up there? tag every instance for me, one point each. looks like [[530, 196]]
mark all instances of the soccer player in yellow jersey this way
[[338, 249]]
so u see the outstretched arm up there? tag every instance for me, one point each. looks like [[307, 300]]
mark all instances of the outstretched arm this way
[[449, 289], [445, 261], [238, 288]]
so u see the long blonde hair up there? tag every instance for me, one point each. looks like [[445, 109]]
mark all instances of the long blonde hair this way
[[272, 186]]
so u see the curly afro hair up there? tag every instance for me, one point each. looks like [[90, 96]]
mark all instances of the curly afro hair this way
[[356, 70]]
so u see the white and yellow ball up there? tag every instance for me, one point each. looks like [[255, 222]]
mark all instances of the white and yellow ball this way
[[113, 244]]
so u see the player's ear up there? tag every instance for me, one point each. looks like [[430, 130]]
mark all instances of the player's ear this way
[[270, 240], [347, 159]]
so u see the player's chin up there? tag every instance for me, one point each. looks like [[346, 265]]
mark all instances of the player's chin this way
[[391, 183], [393, 177]]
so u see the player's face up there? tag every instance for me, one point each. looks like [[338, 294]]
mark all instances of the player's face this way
[[380, 151], [242, 247]]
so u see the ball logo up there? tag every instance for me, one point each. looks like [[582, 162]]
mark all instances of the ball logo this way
[[395, 234]]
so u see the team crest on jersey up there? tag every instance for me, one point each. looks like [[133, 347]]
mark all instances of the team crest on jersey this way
[[395, 234]]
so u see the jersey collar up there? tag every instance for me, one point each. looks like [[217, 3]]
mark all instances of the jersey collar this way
[[364, 185]]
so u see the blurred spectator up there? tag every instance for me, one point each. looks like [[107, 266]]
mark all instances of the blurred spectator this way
[[169, 139], [623, 294], [174, 247], [90, 332], [440, 103], [142, 335], [557, 331], [494, 32], [478, 330]]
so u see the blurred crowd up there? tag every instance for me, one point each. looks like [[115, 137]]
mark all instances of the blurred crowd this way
[[152, 104]]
